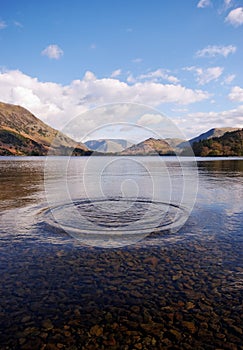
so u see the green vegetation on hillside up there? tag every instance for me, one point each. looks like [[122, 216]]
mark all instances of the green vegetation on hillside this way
[[230, 144]]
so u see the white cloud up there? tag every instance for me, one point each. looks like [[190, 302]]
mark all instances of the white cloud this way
[[205, 76], [204, 3], [18, 24], [210, 74], [229, 78], [195, 123], [215, 50], [57, 104], [137, 60], [159, 74], [2, 25], [25, 96], [150, 119], [227, 2], [235, 17], [225, 6], [236, 94], [88, 76], [131, 79], [53, 51], [116, 73]]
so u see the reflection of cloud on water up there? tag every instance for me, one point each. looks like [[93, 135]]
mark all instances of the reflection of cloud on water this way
[[219, 188]]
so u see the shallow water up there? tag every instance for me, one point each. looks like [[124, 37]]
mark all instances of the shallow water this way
[[166, 290]]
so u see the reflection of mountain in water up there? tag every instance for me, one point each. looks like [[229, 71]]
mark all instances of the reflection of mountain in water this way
[[19, 182], [222, 168]]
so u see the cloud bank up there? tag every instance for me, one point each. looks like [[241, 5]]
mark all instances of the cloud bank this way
[[207, 120], [56, 104]]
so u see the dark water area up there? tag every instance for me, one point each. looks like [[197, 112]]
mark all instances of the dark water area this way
[[169, 290]]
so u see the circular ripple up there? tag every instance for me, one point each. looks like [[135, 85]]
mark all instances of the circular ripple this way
[[127, 196], [130, 220]]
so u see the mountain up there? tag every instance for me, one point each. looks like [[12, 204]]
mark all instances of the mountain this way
[[150, 146], [230, 144], [21, 133], [215, 132], [175, 143], [108, 145]]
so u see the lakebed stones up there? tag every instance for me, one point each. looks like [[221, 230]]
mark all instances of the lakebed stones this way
[[172, 297]]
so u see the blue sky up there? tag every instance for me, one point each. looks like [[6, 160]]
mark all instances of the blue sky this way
[[184, 58]]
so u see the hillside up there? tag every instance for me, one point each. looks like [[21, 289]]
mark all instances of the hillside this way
[[215, 132], [150, 146], [175, 143], [21, 133], [230, 144]]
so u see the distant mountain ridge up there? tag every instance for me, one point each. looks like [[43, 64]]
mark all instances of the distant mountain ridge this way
[[150, 146], [21, 133], [230, 146], [108, 145]]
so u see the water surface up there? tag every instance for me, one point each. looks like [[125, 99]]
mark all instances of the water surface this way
[[170, 290]]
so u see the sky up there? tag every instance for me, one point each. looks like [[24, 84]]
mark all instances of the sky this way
[[184, 59]]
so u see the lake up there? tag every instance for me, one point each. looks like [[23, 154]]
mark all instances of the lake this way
[[121, 253]]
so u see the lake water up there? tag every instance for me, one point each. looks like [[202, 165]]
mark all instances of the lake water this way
[[141, 253]]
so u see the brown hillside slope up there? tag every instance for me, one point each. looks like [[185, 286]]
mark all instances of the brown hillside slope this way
[[21, 133], [150, 146]]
